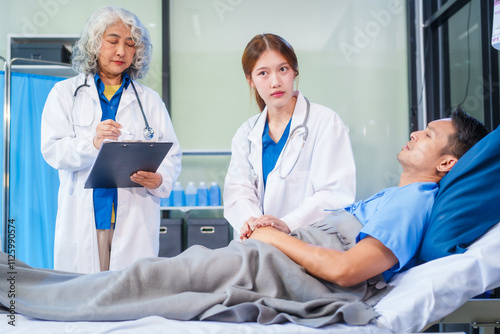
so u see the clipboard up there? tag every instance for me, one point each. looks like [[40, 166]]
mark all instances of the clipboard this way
[[116, 161]]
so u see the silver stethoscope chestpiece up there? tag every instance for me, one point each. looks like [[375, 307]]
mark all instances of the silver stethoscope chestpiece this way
[[149, 132]]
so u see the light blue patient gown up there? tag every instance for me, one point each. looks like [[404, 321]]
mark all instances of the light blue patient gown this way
[[397, 217]]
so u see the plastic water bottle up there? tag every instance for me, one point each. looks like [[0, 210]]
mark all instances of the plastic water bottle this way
[[177, 195], [202, 194], [191, 194], [165, 201], [214, 194]]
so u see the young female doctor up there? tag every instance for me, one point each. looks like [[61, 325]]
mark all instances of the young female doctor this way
[[101, 229], [293, 160]]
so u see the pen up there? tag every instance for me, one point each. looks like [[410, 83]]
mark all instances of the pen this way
[[126, 132]]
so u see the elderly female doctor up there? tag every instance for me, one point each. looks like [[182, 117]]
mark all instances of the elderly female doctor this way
[[101, 229], [292, 161]]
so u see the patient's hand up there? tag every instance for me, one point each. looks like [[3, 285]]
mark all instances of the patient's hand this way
[[267, 234]]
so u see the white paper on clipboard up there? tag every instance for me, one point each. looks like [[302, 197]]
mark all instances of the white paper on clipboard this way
[[117, 161]]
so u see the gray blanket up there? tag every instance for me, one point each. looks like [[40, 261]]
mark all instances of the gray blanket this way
[[244, 282]]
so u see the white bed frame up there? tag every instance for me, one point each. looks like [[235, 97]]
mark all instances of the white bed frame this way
[[479, 313]]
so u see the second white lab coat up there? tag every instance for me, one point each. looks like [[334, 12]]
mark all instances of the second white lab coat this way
[[323, 177], [68, 129]]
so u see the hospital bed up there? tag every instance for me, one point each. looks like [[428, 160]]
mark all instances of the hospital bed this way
[[426, 294]]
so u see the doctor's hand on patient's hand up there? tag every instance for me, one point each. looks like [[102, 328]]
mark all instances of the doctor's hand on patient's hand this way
[[253, 224], [107, 129], [268, 220], [147, 179], [247, 229]]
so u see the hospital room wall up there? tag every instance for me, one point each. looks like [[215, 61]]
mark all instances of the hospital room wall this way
[[352, 58], [59, 17]]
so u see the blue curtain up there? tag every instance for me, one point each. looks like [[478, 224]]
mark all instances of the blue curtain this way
[[33, 183]]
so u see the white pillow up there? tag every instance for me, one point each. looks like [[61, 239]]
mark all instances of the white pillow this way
[[433, 290]]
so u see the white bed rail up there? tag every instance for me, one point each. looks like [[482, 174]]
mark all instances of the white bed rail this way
[[6, 138]]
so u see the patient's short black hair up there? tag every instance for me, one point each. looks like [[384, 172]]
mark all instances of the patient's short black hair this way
[[468, 132]]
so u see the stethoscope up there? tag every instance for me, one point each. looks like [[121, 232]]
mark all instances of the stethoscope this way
[[148, 131], [284, 175]]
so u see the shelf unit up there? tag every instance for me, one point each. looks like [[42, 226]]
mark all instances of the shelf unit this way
[[43, 62], [215, 233], [51, 70], [206, 152], [187, 209]]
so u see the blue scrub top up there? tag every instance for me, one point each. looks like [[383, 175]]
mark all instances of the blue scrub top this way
[[397, 217], [271, 150], [104, 198]]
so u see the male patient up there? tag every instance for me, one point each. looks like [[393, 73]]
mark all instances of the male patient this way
[[394, 220], [259, 281]]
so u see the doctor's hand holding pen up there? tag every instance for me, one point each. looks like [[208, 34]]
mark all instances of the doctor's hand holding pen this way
[[263, 221], [108, 129]]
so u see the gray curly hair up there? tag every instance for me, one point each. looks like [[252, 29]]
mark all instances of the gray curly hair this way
[[87, 48]]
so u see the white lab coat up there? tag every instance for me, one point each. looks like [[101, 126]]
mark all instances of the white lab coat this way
[[324, 176], [67, 145]]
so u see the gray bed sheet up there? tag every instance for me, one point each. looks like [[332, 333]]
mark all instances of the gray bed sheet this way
[[247, 281]]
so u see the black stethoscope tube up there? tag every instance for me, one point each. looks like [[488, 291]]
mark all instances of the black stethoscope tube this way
[[292, 132], [148, 131]]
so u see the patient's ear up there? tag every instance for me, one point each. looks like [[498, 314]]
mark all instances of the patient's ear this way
[[447, 161]]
